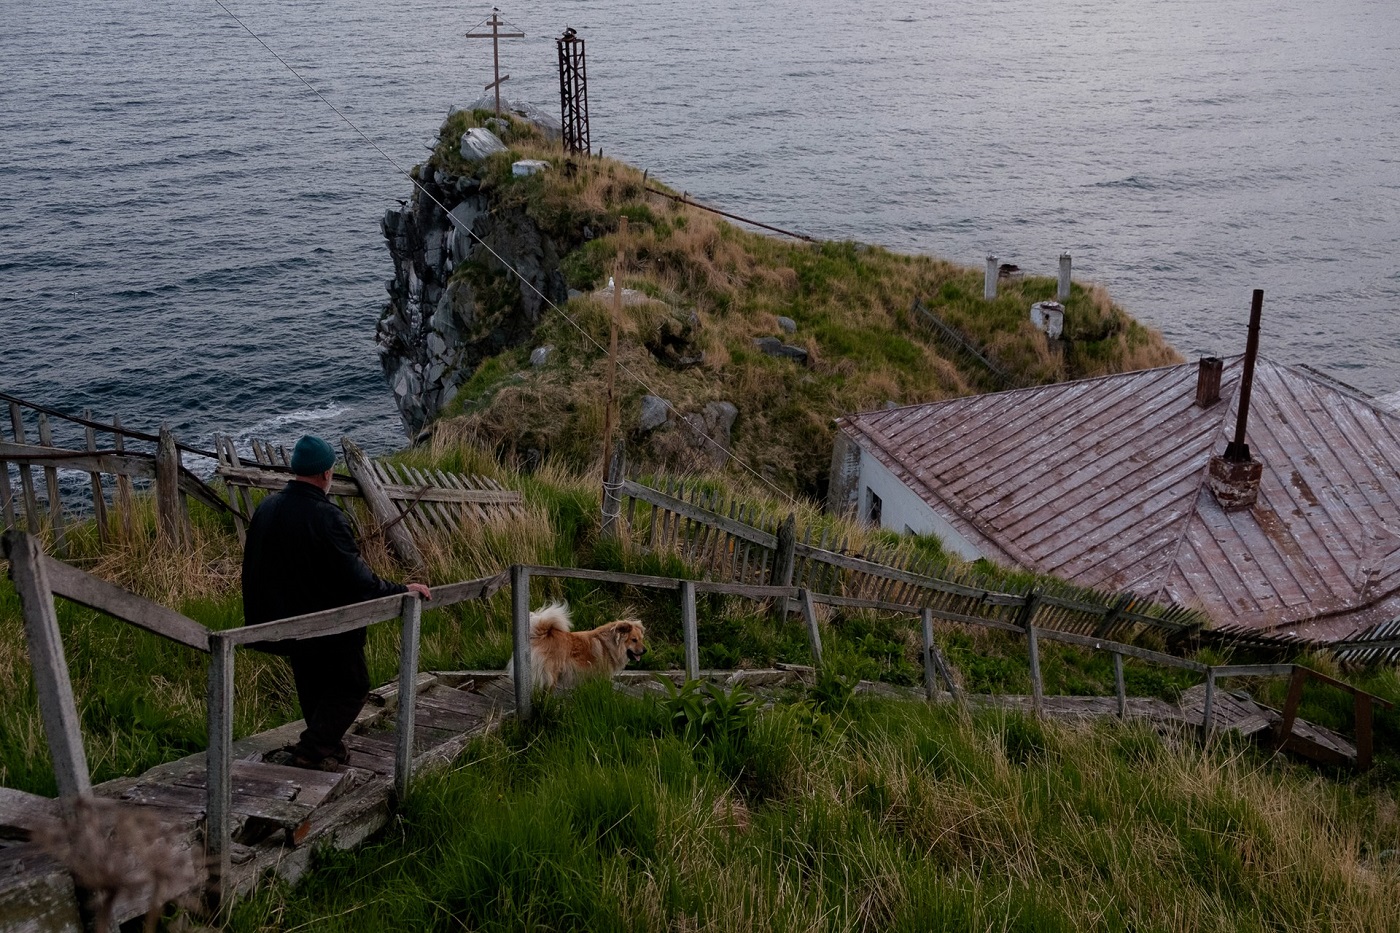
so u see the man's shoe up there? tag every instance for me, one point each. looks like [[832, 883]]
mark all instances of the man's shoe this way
[[290, 756]]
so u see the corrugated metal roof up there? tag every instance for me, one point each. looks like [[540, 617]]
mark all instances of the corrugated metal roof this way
[[1103, 482]]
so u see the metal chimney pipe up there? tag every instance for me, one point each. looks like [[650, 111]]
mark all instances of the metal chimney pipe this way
[[1237, 451]]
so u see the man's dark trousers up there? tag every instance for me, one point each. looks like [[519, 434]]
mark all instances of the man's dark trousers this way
[[300, 558], [332, 686]]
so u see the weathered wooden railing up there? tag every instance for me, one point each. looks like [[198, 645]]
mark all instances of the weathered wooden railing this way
[[38, 578], [134, 456], [748, 545], [408, 504], [1018, 615]]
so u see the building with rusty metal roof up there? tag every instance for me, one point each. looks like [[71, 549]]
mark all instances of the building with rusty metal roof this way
[[1121, 482]]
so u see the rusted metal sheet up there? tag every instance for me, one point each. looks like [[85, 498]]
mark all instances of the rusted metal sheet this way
[[1103, 482]]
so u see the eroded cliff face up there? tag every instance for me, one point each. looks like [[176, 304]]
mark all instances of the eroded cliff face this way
[[453, 300]]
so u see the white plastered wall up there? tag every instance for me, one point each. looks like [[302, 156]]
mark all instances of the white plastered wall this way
[[901, 509]]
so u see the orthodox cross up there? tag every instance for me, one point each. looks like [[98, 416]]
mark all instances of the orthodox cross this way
[[496, 36]]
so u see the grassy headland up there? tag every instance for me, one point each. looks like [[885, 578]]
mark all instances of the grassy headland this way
[[722, 287]]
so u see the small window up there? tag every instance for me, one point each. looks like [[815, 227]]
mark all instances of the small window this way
[[874, 508]]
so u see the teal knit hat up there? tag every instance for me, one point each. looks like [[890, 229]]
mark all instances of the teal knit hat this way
[[311, 456]]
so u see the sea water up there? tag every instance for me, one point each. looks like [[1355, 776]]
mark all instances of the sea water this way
[[189, 234]]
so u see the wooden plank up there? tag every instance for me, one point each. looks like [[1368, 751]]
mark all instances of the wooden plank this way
[[371, 753], [1207, 707], [51, 485], [413, 511], [471, 705], [520, 638], [670, 503], [381, 506], [689, 631], [930, 680], [57, 708], [37, 455], [1253, 670], [316, 624], [26, 812], [809, 615], [99, 498], [607, 576], [228, 457], [1132, 651], [412, 614], [1119, 689], [126, 497], [751, 591], [1037, 685], [170, 515], [218, 820], [784, 550], [8, 513], [96, 593], [449, 594], [26, 479]]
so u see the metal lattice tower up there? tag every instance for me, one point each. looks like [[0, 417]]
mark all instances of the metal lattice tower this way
[[573, 93]]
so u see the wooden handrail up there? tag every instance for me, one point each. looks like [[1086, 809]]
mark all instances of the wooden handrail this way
[[95, 593]]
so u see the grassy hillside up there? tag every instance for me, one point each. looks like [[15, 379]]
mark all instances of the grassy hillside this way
[[830, 813], [717, 288], [822, 811]]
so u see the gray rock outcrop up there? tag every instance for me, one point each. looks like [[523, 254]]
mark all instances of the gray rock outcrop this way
[[453, 301]]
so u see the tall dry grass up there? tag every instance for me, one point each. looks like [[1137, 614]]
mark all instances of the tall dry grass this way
[[879, 816]]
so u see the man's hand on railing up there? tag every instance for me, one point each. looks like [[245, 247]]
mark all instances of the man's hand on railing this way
[[420, 589]]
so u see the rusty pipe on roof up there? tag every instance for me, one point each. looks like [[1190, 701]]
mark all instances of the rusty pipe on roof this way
[[1237, 451]]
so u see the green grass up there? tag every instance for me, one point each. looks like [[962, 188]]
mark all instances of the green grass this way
[[600, 815], [851, 303]]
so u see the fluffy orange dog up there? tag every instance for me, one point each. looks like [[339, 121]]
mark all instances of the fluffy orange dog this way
[[559, 656]]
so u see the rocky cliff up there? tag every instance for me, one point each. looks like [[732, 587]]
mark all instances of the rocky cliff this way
[[452, 303]]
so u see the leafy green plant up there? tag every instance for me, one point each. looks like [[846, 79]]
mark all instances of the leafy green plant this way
[[706, 715], [833, 691]]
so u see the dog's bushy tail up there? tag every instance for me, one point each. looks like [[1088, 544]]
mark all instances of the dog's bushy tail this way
[[552, 618]]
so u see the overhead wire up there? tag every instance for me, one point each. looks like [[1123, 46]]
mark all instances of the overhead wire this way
[[422, 189]]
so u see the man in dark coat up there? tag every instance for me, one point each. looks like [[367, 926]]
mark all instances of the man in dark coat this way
[[301, 557]]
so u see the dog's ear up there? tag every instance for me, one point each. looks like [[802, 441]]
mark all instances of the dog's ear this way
[[623, 629]]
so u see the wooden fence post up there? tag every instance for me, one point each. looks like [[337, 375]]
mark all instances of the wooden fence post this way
[[57, 707], [520, 637], [385, 513], [7, 494], [689, 630], [99, 499], [60, 544], [930, 676], [412, 615], [934, 662], [26, 478], [809, 613], [784, 557], [170, 521], [1027, 622], [612, 492], [1119, 688], [218, 766], [126, 496], [1208, 712]]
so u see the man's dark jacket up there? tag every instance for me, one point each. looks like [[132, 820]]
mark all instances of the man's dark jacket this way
[[300, 557]]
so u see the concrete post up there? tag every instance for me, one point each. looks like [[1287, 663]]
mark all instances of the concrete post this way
[[1063, 294], [989, 291]]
